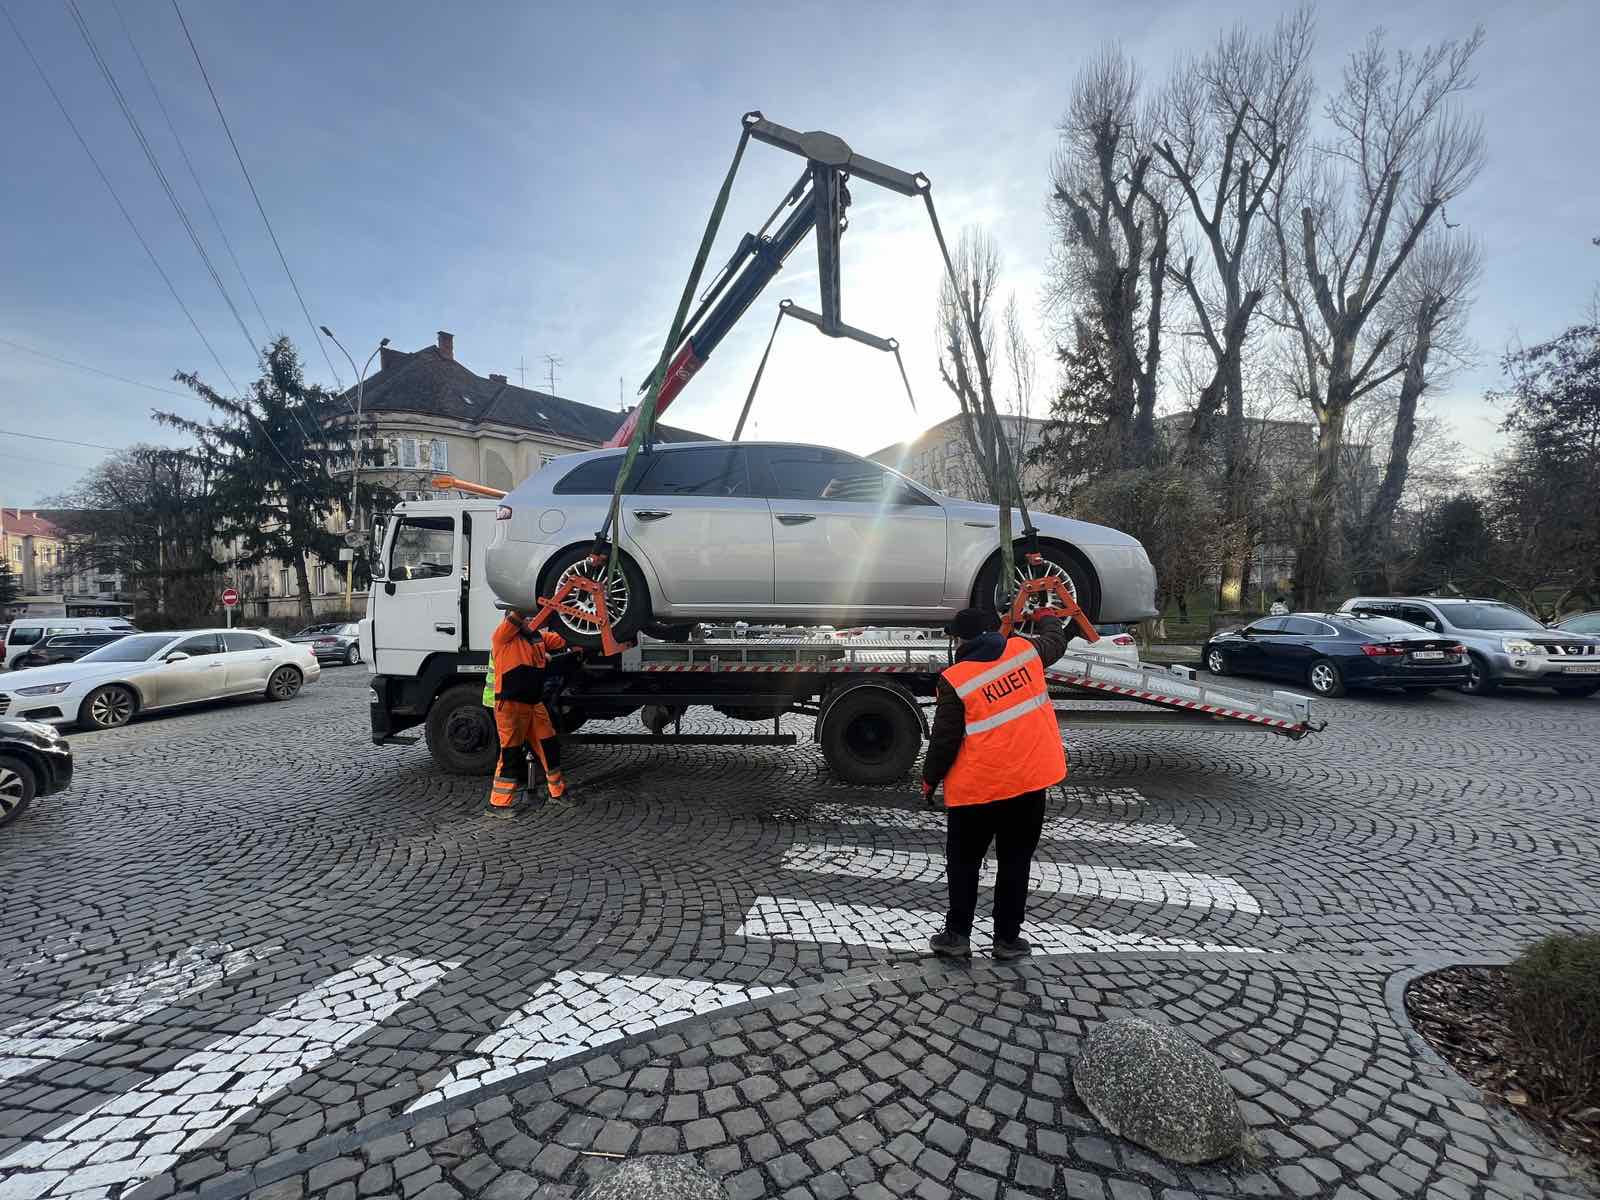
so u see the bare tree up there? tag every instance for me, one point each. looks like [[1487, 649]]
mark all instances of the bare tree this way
[[1230, 122], [1112, 221], [1400, 151]]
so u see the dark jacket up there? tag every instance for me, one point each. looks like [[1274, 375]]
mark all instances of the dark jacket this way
[[950, 715]]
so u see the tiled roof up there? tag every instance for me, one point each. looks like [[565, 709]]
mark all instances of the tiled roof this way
[[25, 522]]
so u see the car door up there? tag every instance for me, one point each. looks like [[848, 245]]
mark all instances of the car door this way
[[706, 535], [1292, 651], [422, 578], [1253, 654], [849, 535], [247, 660], [200, 676]]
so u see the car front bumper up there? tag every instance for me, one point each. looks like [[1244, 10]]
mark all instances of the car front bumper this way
[[1127, 582], [1543, 670]]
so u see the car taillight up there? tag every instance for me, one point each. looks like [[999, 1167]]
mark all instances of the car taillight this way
[[503, 513], [1456, 650], [1120, 639], [1382, 650]]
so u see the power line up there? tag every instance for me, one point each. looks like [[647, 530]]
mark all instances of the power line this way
[[149, 387], [122, 208], [118, 95], [39, 437], [261, 208], [266, 325]]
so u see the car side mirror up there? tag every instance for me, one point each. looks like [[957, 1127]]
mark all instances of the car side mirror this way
[[177, 656]]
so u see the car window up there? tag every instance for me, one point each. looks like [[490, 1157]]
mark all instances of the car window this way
[[1418, 615], [1383, 625], [598, 476], [708, 471], [1490, 616], [424, 548], [129, 649], [350, 630], [1270, 625], [1370, 608], [197, 646], [815, 473], [1306, 627], [235, 640], [1587, 624]]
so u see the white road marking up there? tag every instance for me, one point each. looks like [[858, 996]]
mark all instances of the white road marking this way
[[579, 1010], [140, 1133], [1064, 829], [788, 919], [1184, 888], [125, 1001]]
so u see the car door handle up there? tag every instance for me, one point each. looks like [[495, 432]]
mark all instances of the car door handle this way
[[979, 524], [795, 518], [443, 627], [651, 514]]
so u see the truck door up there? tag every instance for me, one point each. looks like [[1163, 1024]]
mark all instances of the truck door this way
[[418, 610]]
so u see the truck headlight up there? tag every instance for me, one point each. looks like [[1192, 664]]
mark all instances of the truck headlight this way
[[44, 689], [1519, 646]]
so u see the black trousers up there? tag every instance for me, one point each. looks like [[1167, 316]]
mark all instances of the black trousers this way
[[1013, 826]]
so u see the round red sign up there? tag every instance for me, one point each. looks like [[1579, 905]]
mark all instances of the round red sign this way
[[230, 598]]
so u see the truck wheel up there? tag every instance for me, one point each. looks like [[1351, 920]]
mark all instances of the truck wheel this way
[[460, 731], [870, 735]]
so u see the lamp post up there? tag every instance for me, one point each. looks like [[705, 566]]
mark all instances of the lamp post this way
[[355, 454]]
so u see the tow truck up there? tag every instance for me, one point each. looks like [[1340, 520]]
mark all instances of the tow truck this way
[[427, 636]]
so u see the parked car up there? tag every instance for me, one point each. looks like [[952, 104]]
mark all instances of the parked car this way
[[1115, 642], [787, 533], [145, 672], [25, 632], [338, 642], [1584, 622], [1331, 652], [62, 648], [35, 761], [1506, 645]]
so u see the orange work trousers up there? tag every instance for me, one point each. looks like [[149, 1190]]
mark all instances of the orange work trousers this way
[[523, 727]]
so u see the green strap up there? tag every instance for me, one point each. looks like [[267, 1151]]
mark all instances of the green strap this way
[[647, 409]]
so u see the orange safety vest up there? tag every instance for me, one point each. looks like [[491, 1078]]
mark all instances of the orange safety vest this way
[[1012, 743]]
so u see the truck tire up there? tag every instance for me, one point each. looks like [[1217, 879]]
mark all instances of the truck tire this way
[[460, 731], [870, 735]]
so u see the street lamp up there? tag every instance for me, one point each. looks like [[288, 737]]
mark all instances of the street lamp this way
[[355, 455]]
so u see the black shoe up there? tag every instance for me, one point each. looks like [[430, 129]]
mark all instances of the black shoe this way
[[1005, 949], [950, 945]]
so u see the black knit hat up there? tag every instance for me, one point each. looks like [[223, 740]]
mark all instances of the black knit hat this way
[[970, 622]]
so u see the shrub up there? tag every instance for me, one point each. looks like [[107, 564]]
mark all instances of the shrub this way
[[1555, 995]]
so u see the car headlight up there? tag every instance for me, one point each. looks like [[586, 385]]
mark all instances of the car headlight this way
[[1519, 646], [44, 689]]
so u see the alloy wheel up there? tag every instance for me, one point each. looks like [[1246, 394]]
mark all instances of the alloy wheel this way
[[110, 708], [285, 682], [12, 790], [1322, 678], [1214, 662], [617, 596], [1023, 572]]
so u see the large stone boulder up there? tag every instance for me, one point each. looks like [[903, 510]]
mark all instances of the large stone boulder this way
[[656, 1177], [1158, 1088]]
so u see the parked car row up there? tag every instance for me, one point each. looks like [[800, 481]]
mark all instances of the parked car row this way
[[1414, 644]]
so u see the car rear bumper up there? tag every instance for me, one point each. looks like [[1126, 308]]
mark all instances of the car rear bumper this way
[[1443, 677]]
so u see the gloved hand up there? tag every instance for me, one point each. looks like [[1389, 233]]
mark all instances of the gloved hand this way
[[927, 791]]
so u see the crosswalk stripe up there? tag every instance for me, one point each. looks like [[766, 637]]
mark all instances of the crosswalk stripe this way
[[1184, 888], [789, 919], [125, 1001], [1065, 829], [144, 1131], [580, 1010]]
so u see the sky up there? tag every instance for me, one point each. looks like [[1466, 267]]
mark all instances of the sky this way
[[535, 179]]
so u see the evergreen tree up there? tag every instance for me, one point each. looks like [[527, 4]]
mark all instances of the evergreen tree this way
[[9, 588]]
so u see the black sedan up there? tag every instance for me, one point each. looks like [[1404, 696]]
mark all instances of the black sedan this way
[[35, 760], [1330, 652], [63, 648]]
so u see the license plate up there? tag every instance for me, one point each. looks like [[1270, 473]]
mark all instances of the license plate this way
[[1586, 669], [1427, 655]]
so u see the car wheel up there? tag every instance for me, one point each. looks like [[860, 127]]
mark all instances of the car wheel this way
[[352, 656], [460, 731], [1055, 562], [1479, 681], [284, 683], [1216, 662], [627, 602], [1325, 678], [108, 707], [1580, 691], [17, 787]]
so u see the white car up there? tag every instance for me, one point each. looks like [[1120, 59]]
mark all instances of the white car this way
[[144, 672]]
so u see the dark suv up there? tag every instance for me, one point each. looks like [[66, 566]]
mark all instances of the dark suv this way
[[1505, 645], [62, 648]]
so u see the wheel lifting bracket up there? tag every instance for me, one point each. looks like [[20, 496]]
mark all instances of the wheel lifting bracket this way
[[1058, 603], [549, 607]]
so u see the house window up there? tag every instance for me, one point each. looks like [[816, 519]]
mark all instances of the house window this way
[[439, 454], [283, 582]]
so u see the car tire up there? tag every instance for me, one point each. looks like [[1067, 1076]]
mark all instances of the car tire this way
[[352, 656], [1479, 681], [1325, 678], [284, 683], [1057, 561], [109, 706], [1216, 662], [629, 590], [1578, 692], [18, 786], [460, 731]]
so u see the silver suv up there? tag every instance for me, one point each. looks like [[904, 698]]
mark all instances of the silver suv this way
[[1507, 647]]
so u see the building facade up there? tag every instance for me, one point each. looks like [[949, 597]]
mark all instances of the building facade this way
[[39, 551], [940, 458]]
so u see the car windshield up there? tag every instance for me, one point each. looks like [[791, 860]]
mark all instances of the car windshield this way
[[136, 648], [1489, 616]]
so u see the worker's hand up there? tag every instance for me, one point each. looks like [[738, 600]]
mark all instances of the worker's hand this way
[[927, 791]]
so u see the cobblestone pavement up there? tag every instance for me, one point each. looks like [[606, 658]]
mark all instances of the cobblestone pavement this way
[[251, 953]]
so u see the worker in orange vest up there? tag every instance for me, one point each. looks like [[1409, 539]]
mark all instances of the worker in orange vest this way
[[524, 661], [996, 747]]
